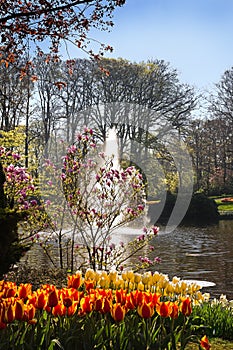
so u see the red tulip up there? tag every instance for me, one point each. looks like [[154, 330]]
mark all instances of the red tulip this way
[[120, 296], [118, 312], [205, 343], [175, 311], [41, 300], [52, 298], [146, 310], [186, 307], [74, 281], [9, 313], [164, 308], [59, 309], [19, 309]]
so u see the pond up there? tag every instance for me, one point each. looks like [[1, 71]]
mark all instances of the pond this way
[[197, 253]]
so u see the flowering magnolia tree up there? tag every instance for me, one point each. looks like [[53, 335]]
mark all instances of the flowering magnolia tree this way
[[18, 206], [86, 198], [76, 204], [19, 188]]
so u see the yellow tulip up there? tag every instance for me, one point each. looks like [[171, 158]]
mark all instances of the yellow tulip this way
[[156, 277], [130, 276], [141, 286], [175, 280], [112, 276], [147, 278], [137, 277], [124, 275], [90, 274]]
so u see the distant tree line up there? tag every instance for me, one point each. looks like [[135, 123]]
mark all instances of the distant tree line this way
[[145, 101]]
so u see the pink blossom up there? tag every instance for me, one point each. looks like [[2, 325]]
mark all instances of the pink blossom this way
[[155, 230], [140, 207], [141, 238], [16, 156]]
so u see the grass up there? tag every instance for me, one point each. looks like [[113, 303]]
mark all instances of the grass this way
[[223, 206], [216, 344]]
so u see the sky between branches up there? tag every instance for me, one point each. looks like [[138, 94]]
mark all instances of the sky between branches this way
[[195, 36]]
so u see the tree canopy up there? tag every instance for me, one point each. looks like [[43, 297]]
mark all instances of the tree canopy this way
[[51, 22]]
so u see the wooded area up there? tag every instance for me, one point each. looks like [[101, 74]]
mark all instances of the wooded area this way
[[144, 101]]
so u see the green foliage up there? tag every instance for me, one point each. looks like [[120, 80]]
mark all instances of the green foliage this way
[[202, 210], [96, 331], [218, 315], [10, 248]]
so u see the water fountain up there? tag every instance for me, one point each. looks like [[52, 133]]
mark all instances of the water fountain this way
[[135, 228], [111, 148]]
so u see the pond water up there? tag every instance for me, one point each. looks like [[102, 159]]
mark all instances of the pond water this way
[[197, 253]]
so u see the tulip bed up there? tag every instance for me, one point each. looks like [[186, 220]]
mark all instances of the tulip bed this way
[[101, 310]]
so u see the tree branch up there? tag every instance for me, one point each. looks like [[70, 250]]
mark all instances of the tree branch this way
[[44, 11]]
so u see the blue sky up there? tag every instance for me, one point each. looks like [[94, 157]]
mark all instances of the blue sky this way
[[195, 36]]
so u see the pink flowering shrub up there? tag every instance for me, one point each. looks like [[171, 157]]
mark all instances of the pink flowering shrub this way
[[87, 199]]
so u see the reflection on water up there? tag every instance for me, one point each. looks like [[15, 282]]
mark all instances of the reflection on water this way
[[188, 252]]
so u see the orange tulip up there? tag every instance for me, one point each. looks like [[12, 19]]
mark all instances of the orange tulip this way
[[29, 313], [146, 310], [137, 297], [186, 307], [205, 343], [67, 301], [155, 298], [24, 290], [118, 312], [59, 309], [106, 306], [41, 299], [74, 281], [10, 290], [72, 309], [98, 304], [2, 311], [130, 302], [2, 284], [86, 305]]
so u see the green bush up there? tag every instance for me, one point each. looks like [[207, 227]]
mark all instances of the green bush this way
[[202, 210]]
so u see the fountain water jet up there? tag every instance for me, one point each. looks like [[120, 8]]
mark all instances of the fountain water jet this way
[[111, 148]]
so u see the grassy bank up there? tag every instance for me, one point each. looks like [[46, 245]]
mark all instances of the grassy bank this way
[[225, 205]]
